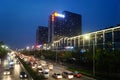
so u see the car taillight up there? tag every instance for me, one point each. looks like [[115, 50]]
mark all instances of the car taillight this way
[[78, 75]]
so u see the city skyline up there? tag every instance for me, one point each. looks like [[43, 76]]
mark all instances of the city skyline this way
[[20, 19]]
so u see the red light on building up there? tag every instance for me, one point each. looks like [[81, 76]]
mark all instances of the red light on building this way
[[53, 17]]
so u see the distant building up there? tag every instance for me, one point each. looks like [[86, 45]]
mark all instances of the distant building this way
[[67, 24], [41, 35]]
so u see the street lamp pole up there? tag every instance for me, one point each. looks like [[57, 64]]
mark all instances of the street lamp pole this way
[[93, 66], [93, 58], [56, 54]]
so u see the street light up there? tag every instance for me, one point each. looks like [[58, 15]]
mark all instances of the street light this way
[[27, 48], [88, 37], [56, 54], [54, 47], [5, 47], [93, 58]]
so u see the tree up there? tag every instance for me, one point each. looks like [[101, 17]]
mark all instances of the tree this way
[[3, 52]]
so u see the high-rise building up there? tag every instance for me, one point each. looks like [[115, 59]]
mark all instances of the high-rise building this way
[[67, 24], [41, 35]]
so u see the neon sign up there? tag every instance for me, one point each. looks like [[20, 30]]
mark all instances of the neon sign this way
[[59, 15]]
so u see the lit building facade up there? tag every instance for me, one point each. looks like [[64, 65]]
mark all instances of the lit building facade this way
[[103, 39], [72, 25], [67, 24], [41, 35]]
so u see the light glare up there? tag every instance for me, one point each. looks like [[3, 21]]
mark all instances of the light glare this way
[[59, 15]]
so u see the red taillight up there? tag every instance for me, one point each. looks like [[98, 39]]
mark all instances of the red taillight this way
[[78, 75]]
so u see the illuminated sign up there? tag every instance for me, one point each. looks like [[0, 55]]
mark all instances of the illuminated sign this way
[[55, 14], [59, 15]]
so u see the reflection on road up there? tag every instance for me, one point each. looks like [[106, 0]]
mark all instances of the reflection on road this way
[[7, 78], [14, 72]]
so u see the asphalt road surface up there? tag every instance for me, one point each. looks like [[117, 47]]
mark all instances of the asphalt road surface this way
[[59, 68], [15, 72]]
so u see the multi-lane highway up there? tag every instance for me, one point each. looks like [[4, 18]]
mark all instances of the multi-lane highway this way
[[15, 72], [59, 68]]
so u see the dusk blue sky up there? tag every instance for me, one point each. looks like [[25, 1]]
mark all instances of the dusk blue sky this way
[[19, 19]]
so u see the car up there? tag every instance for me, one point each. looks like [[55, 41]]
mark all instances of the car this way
[[45, 69], [33, 67], [43, 63], [68, 75], [77, 74], [23, 75], [45, 74], [39, 70], [7, 72], [39, 66], [50, 66], [57, 75]]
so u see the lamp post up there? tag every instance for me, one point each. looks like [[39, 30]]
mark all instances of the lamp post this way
[[88, 37], [55, 48], [56, 54], [93, 58]]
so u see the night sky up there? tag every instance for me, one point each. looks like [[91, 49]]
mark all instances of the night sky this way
[[19, 19]]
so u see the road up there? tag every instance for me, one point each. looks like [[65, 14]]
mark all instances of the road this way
[[15, 72], [59, 68]]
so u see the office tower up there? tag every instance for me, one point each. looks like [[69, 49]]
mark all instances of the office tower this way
[[67, 24]]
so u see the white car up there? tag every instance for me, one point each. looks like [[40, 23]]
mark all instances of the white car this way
[[46, 70], [33, 67], [40, 70], [45, 74], [39, 66], [43, 63], [57, 75], [50, 66], [68, 75], [7, 72]]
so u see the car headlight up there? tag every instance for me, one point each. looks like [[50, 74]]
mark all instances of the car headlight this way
[[21, 76], [33, 67], [25, 75], [39, 66], [4, 73], [8, 72], [39, 71]]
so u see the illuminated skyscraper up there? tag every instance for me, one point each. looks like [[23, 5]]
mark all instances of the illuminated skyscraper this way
[[67, 24]]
